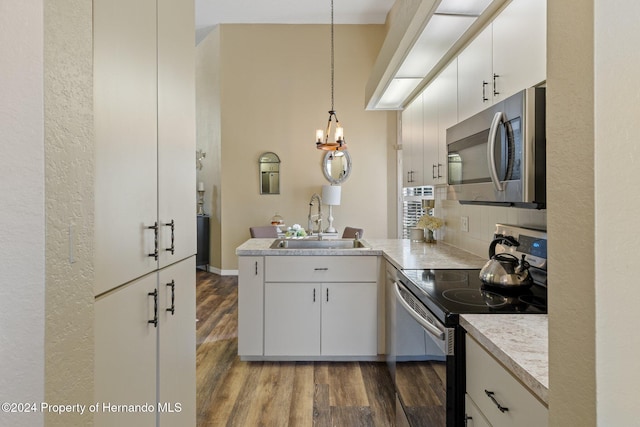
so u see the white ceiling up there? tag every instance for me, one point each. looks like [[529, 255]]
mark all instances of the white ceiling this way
[[212, 12]]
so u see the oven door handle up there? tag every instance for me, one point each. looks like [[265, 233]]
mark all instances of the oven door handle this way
[[427, 326], [491, 146]]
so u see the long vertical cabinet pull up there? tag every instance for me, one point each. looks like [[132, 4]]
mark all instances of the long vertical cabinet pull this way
[[314, 294], [495, 86], [256, 268], [154, 227], [155, 308], [327, 294], [172, 309], [171, 224], [484, 92]]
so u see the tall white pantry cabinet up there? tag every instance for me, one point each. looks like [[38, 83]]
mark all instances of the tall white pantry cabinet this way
[[145, 222]]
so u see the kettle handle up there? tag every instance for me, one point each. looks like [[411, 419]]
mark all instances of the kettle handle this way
[[507, 240]]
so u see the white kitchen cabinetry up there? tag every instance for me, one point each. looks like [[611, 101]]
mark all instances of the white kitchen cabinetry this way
[[250, 305], [308, 306], [430, 135], [291, 319], [519, 47], [177, 343], [440, 108], [473, 416], [125, 352], [412, 144], [506, 57], [145, 353], [497, 394], [145, 222], [144, 114], [320, 319], [474, 75]]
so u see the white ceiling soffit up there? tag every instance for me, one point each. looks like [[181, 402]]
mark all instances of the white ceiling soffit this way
[[210, 13], [445, 30]]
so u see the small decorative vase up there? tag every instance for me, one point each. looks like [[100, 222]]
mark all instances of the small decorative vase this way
[[428, 236]]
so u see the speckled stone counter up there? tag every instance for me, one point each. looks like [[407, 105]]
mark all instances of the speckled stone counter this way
[[408, 255], [519, 342], [402, 253]]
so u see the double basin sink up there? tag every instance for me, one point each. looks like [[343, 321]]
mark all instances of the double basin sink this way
[[319, 244]]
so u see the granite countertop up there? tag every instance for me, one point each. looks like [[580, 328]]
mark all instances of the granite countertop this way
[[402, 253], [519, 342]]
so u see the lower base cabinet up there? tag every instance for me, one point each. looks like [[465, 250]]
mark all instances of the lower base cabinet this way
[[473, 416], [145, 371], [316, 319], [308, 307], [497, 397]]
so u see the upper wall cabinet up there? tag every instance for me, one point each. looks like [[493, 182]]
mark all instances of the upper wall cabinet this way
[[144, 114], [507, 56], [424, 130], [412, 144]]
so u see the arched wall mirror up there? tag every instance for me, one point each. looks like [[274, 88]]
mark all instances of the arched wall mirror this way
[[336, 166], [269, 170]]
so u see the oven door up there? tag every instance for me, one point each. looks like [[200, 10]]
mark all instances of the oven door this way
[[423, 347]]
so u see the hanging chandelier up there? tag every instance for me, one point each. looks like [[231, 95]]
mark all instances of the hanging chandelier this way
[[324, 141]]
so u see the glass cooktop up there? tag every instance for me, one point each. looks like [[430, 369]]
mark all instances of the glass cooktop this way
[[448, 293]]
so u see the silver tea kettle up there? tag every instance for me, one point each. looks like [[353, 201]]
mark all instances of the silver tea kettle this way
[[504, 269]]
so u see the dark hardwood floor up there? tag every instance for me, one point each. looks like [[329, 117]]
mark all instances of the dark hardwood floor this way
[[235, 393]]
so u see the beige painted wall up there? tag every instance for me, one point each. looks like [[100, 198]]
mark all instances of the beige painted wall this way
[[571, 214], [275, 91], [69, 171]]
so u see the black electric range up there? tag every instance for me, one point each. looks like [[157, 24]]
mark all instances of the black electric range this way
[[449, 293], [426, 334]]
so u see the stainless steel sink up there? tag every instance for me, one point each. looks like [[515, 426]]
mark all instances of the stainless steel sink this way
[[319, 244]]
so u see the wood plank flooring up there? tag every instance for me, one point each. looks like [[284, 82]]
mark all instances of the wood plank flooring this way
[[231, 392]]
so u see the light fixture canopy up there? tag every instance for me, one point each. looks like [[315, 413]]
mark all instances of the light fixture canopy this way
[[337, 143]]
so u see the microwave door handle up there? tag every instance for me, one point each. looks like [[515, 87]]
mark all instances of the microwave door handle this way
[[430, 328], [491, 146]]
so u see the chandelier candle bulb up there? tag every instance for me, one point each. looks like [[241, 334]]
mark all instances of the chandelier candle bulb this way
[[201, 186], [339, 133], [319, 135]]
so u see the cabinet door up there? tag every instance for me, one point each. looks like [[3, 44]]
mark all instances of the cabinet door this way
[[125, 90], [447, 94], [412, 136], [177, 344], [250, 305], [430, 135], [473, 417], [125, 352], [349, 319], [519, 46], [484, 374], [292, 319], [475, 80], [176, 130]]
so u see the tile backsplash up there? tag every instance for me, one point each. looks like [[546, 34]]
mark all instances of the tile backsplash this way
[[482, 220]]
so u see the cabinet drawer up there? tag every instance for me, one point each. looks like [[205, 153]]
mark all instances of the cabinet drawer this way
[[321, 269], [485, 373]]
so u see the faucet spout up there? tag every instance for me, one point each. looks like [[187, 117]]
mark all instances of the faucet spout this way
[[318, 216]]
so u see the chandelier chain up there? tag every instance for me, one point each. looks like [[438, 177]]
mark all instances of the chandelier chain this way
[[332, 67]]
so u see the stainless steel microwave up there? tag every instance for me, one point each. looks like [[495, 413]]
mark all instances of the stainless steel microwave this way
[[498, 156]]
